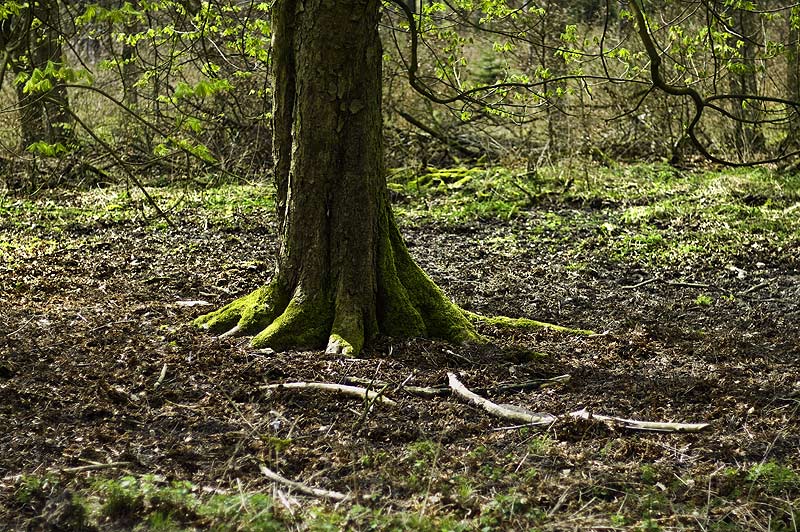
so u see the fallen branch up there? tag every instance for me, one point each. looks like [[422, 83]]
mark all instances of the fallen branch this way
[[521, 414], [640, 284], [308, 490], [94, 467], [641, 425], [753, 288], [686, 284], [510, 412], [429, 392], [355, 391], [421, 391]]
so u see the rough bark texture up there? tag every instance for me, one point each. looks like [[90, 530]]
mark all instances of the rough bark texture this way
[[32, 40], [344, 273]]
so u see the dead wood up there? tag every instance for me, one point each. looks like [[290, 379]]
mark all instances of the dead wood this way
[[308, 490], [355, 391], [510, 412]]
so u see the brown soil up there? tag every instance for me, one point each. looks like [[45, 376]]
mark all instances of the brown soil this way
[[86, 331]]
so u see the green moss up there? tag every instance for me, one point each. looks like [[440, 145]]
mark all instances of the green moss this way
[[347, 335], [338, 345], [443, 318], [305, 323], [523, 323], [397, 316], [414, 303], [251, 313]]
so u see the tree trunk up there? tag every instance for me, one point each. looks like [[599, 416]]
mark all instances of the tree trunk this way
[[343, 273], [792, 140], [44, 116], [747, 136], [130, 66]]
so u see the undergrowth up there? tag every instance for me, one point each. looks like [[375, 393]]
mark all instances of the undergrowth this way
[[657, 500]]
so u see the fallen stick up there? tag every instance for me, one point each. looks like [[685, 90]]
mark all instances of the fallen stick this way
[[688, 284], [510, 412], [753, 288], [641, 425], [441, 391], [308, 490], [94, 467], [422, 391], [355, 391], [641, 283], [521, 414]]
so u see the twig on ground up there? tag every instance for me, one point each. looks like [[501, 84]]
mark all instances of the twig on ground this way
[[521, 414], [161, 376], [510, 412], [641, 425], [687, 284], [527, 385], [670, 283], [355, 391], [640, 284], [308, 490], [94, 467], [441, 391], [753, 288]]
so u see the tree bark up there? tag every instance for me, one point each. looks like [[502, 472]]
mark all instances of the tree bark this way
[[792, 140], [343, 273], [44, 116], [747, 136]]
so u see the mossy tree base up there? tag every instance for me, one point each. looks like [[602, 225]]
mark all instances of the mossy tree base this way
[[344, 274], [406, 303]]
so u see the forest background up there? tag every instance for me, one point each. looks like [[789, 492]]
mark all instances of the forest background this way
[[533, 146]]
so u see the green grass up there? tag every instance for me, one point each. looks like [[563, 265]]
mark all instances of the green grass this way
[[43, 223], [450, 503], [650, 215], [57, 210]]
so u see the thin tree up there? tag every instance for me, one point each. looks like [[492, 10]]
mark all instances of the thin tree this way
[[32, 41], [792, 140]]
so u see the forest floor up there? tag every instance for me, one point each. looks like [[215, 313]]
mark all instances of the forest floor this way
[[115, 413]]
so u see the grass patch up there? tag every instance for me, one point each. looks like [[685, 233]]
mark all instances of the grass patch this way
[[58, 210], [650, 215]]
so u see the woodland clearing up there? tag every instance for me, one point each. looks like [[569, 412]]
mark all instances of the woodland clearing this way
[[118, 414]]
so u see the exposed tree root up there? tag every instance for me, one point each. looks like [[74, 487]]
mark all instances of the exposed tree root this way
[[410, 304], [523, 323], [355, 391], [404, 303]]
